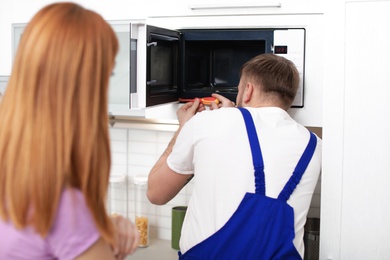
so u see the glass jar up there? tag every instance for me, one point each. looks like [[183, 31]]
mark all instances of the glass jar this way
[[117, 195], [141, 209]]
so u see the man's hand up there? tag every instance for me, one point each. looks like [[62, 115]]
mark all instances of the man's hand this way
[[223, 102], [188, 110]]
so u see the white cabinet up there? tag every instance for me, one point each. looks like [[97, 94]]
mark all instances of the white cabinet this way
[[233, 7], [121, 80], [311, 113], [356, 126], [183, 17], [119, 85], [3, 85], [124, 78]]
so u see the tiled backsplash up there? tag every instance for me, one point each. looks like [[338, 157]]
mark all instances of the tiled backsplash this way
[[134, 151]]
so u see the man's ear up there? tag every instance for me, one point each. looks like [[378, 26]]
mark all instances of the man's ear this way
[[248, 92]]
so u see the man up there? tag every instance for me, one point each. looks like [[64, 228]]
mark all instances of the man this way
[[212, 146]]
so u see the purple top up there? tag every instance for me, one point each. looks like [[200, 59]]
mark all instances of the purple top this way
[[73, 232]]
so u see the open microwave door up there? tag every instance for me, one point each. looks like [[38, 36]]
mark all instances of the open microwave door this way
[[163, 65]]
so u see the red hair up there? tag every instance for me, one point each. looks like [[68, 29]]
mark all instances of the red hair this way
[[54, 129]]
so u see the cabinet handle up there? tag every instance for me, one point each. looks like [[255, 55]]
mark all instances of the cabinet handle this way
[[231, 6], [133, 66]]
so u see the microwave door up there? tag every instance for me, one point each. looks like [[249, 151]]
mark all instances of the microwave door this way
[[162, 66]]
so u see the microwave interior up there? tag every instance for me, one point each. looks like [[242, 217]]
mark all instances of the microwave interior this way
[[198, 62]]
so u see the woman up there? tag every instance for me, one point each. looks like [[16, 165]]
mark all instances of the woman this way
[[54, 142]]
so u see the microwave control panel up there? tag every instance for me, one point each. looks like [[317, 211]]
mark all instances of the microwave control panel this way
[[290, 43]]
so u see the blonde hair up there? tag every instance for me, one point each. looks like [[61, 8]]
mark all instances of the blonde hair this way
[[54, 121]]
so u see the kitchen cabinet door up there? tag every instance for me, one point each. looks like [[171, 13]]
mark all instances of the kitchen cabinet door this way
[[231, 7], [3, 85], [355, 179], [119, 86]]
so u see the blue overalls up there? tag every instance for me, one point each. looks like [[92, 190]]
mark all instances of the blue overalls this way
[[261, 227]]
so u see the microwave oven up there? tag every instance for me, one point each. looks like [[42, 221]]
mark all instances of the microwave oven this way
[[162, 65]]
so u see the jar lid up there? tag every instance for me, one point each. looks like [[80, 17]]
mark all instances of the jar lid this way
[[141, 179], [116, 178]]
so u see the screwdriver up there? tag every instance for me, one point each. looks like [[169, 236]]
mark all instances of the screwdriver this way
[[205, 100]]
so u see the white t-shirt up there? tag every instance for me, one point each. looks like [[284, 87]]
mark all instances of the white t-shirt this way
[[214, 146]]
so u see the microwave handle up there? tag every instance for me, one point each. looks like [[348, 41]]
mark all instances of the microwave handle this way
[[160, 37], [151, 44], [151, 82], [133, 66]]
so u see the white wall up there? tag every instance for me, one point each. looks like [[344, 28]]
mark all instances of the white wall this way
[[134, 152]]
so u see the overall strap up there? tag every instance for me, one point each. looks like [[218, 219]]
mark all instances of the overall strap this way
[[257, 157], [299, 169]]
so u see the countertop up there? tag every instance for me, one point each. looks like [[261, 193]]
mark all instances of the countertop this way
[[157, 249]]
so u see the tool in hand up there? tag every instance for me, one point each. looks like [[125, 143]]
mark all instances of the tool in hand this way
[[205, 100]]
